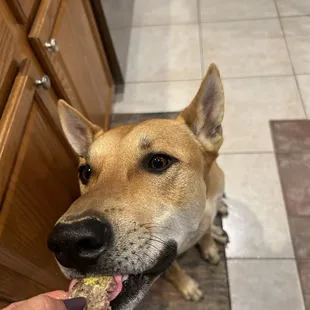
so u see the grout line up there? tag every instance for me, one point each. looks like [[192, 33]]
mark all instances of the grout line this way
[[256, 76], [261, 258], [200, 39], [290, 58], [161, 81], [223, 78], [301, 98], [246, 153], [210, 22]]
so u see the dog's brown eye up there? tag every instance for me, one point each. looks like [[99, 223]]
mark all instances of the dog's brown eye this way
[[159, 162], [84, 173]]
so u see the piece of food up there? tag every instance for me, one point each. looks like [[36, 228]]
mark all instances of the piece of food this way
[[96, 290]]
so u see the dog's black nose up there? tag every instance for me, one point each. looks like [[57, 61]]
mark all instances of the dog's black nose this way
[[80, 243]]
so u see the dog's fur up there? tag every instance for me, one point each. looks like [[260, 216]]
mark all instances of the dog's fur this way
[[148, 210]]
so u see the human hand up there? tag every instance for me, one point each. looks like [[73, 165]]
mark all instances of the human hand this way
[[50, 301]]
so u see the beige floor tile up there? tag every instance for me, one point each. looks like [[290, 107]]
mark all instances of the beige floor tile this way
[[246, 48], [250, 104], [163, 12], [304, 86], [127, 13], [159, 53], [264, 284], [118, 13], [257, 224], [297, 32], [156, 97], [214, 10], [293, 7]]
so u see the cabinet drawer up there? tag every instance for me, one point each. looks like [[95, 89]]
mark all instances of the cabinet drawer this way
[[24, 10], [38, 180], [77, 65]]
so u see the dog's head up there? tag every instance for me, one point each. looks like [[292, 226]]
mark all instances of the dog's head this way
[[143, 191]]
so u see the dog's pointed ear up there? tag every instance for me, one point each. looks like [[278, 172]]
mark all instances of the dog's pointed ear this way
[[205, 114], [79, 132]]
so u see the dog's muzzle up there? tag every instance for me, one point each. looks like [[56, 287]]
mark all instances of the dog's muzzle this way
[[83, 245]]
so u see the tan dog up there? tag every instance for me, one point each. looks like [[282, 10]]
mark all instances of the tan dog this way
[[150, 191]]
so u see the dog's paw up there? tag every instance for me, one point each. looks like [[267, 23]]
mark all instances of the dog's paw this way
[[211, 255], [220, 235], [191, 291], [222, 208]]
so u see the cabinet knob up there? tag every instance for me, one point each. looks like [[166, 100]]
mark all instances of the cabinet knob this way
[[44, 82], [52, 45]]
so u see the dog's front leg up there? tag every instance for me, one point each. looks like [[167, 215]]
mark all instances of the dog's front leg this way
[[187, 286]]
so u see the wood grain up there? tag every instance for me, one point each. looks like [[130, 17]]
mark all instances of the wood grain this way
[[80, 71], [24, 10], [53, 63], [8, 64], [16, 112], [38, 168], [3, 304], [42, 185], [15, 287]]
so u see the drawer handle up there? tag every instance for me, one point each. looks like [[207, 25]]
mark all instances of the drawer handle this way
[[44, 82], [52, 45]]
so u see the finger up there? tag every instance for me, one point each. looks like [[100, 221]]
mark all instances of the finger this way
[[58, 294], [41, 302], [54, 294]]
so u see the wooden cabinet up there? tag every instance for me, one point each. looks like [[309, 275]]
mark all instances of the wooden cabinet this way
[[24, 10], [88, 85], [39, 167], [38, 175]]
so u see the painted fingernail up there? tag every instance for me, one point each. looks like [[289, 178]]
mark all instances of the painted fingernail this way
[[78, 303]]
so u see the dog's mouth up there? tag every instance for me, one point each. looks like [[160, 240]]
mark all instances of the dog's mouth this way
[[128, 289]]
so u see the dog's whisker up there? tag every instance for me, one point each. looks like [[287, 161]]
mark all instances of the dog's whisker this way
[[158, 238], [198, 230], [156, 241], [151, 258], [141, 260], [150, 244], [160, 227]]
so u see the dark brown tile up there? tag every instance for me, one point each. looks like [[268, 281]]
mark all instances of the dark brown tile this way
[[300, 231], [212, 280], [304, 271], [291, 136], [294, 170], [124, 119]]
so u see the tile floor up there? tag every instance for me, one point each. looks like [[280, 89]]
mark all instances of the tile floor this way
[[262, 48]]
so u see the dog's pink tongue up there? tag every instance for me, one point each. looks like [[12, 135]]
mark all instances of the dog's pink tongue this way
[[72, 283], [118, 287]]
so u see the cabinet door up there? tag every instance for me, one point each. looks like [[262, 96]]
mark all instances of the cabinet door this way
[[8, 62], [78, 65], [37, 184], [24, 11]]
